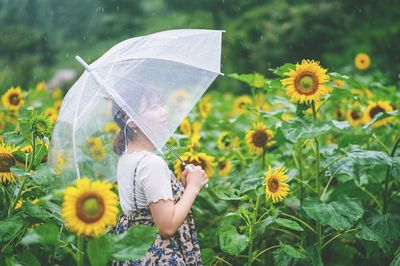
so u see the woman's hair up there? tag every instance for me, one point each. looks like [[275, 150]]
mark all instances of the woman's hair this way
[[135, 97]]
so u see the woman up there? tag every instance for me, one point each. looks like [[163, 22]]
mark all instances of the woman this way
[[149, 192]]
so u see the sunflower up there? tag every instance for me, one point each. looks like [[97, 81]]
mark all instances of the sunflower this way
[[185, 127], [111, 128], [339, 83], [275, 185], [306, 83], [224, 167], [355, 116], [201, 159], [89, 207], [57, 105], [362, 61], [40, 86], [60, 162], [205, 106], [259, 138], [98, 152], [94, 142], [41, 125], [180, 98], [239, 104], [339, 114], [260, 102], [13, 99], [52, 114], [287, 116], [377, 107], [27, 149], [56, 94], [7, 161]]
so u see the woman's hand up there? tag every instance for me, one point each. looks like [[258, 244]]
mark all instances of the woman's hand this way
[[195, 179]]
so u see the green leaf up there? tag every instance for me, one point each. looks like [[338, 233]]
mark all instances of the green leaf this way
[[381, 116], [10, 227], [134, 243], [98, 250], [43, 175], [315, 255], [231, 241], [36, 211], [341, 215], [227, 194], [368, 157], [335, 75], [287, 255], [295, 129], [369, 234], [19, 171], [47, 234], [282, 69], [292, 252], [208, 256], [250, 79], [288, 224], [27, 258], [396, 260]]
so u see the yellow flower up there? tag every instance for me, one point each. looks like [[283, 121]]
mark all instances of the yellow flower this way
[[240, 102], [260, 102], [226, 140], [56, 94], [89, 207], [19, 204], [259, 138], [57, 105], [339, 114], [258, 81], [40, 86], [306, 83], [98, 152], [13, 99], [201, 159], [60, 162], [375, 108], [205, 106], [196, 128], [52, 114], [355, 116], [224, 167], [362, 61], [180, 98], [94, 142], [275, 185], [185, 127], [287, 116], [7, 161], [27, 149], [112, 128], [339, 83]]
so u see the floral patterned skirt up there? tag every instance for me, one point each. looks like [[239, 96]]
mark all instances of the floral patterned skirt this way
[[181, 249]]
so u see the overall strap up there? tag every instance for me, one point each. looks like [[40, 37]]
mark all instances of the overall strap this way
[[134, 181]]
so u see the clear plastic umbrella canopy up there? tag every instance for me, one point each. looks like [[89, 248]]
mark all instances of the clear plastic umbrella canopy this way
[[154, 80]]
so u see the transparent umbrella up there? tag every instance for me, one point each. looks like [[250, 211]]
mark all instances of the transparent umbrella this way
[[154, 80]]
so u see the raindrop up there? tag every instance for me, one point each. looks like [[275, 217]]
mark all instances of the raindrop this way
[[117, 7], [67, 55], [84, 37], [360, 10]]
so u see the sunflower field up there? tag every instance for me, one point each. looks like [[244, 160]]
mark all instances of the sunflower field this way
[[304, 169]]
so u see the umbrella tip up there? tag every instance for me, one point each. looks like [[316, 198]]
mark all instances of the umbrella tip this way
[[82, 62]]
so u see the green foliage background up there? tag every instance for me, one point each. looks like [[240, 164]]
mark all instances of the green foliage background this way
[[40, 36]]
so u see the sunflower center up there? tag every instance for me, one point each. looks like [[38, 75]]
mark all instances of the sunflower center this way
[[90, 208], [260, 138], [376, 110], [222, 165], [339, 115], [306, 83], [40, 126], [273, 184], [14, 99], [355, 115], [6, 162]]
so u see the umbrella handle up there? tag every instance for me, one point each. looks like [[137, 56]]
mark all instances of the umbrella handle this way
[[190, 169]]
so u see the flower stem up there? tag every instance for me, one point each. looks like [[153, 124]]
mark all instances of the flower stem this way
[[263, 159], [80, 251], [385, 194], [251, 234], [317, 180]]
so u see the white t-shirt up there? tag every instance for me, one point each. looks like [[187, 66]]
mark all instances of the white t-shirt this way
[[152, 182]]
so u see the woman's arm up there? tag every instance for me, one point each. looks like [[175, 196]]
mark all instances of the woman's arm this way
[[167, 215]]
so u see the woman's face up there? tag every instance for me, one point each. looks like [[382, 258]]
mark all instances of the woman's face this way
[[155, 114]]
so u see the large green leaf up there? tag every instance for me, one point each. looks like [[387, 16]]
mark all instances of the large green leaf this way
[[43, 234], [288, 255], [98, 250], [369, 157], [227, 194], [369, 234], [341, 215], [231, 241], [43, 175], [36, 211], [288, 224], [134, 243], [297, 128], [10, 227], [282, 69]]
